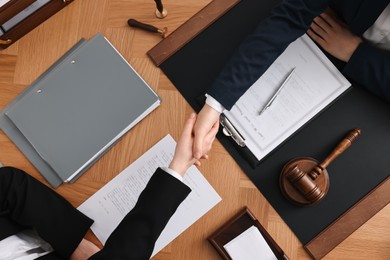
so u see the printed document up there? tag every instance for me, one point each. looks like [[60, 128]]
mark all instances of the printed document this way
[[315, 83], [108, 206]]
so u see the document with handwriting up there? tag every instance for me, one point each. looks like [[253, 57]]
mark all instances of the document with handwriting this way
[[108, 206], [315, 83]]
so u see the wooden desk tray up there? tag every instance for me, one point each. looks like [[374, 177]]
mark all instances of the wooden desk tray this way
[[236, 226]]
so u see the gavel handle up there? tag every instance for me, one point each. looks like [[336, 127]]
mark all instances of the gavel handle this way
[[340, 148]]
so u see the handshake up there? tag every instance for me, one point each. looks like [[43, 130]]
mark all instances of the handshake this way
[[196, 140]]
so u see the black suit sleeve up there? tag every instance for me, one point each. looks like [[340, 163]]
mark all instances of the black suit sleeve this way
[[28, 203], [287, 22], [135, 236], [370, 67]]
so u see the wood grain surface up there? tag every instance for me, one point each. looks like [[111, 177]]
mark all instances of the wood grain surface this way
[[25, 60]]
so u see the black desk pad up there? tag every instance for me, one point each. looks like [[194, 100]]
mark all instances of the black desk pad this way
[[357, 171]]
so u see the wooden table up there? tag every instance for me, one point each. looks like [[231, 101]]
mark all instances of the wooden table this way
[[24, 61]]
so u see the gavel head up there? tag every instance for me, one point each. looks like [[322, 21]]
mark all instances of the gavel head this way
[[303, 182]]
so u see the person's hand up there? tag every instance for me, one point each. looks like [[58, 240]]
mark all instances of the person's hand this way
[[183, 158], [334, 36], [85, 250], [205, 130]]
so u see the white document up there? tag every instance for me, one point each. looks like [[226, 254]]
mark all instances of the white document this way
[[249, 245], [24, 13], [108, 206], [24, 245], [315, 83], [3, 2]]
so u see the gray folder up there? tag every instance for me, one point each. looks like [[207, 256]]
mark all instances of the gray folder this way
[[77, 110]]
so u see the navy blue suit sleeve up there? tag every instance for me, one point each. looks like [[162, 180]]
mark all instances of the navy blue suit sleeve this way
[[135, 236], [370, 67], [258, 51], [29, 203]]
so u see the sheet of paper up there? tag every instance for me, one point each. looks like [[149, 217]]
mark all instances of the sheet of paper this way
[[315, 83], [110, 204], [3, 2], [249, 245], [23, 14]]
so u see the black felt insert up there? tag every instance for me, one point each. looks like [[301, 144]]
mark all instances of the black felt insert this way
[[363, 166]]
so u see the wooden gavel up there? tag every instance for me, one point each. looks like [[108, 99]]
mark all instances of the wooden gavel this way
[[311, 186], [340, 148]]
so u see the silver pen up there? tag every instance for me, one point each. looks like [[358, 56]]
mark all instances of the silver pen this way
[[269, 103]]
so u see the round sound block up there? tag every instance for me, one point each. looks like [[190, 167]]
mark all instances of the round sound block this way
[[305, 164]]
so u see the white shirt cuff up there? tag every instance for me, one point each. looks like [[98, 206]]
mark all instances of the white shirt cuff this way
[[173, 173], [212, 102]]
